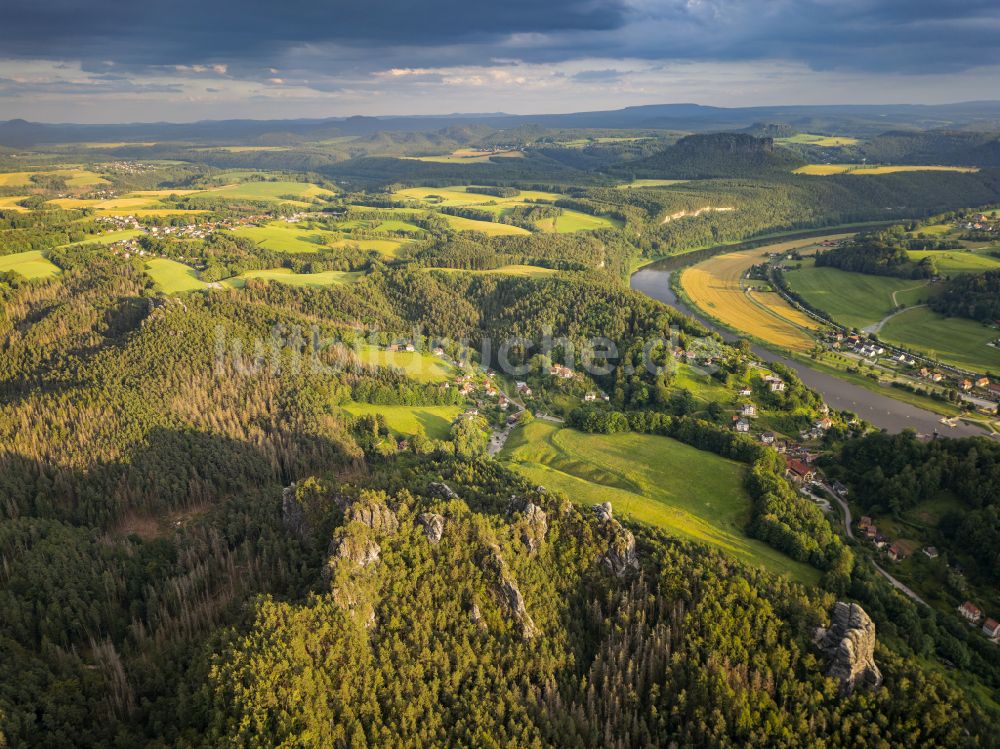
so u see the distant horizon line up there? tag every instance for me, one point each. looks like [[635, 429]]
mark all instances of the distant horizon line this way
[[487, 115]]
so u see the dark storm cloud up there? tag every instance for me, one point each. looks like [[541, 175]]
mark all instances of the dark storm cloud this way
[[182, 31], [327, 38]]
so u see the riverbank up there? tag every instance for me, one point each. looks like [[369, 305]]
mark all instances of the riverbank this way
[[878, 408]]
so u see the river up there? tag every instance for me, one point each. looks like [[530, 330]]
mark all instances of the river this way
[[881, 410]]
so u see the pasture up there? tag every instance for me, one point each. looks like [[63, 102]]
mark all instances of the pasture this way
[[75, 178], [285, 275], [640, 183], [827, 169], [825, 141], [490, 228], [300, 192], [716, 287], [10, 203], [856, 300], [406, 421], [466, 156], [952, 262], [289, 238], [419, 366], [953, 340], [570, 221], [30, 264], [503, 270], [649, 479], [173, 277]]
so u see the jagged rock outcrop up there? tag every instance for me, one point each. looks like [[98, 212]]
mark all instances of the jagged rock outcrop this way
[[371, 510], [533, 523], [362, 550], [849, 642], [292, 514], [442, 490], [508, 593], [620, 556], [433, 525]]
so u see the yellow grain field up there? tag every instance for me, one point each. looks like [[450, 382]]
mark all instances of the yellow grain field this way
[[716, 286]]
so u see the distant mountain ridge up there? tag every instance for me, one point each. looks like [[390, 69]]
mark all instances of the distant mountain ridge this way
[[867, 119], [714, 155]]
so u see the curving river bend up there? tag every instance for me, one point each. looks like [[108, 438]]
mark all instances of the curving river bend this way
[[881, 410]]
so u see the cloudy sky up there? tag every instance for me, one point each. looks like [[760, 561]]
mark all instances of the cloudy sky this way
[[179, 60]]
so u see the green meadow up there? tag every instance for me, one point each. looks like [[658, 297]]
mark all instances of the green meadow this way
[[854, 299], [406, 421], [490, 228], [277, 191], [571, 221], [173, 277], [284, 275], [952, 262], [638, 183], [30, 264], [656, 480], [419, 366], [953, 340], [291, 238], [504, 270]]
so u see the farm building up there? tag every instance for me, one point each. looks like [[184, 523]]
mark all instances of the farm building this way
[[991, 628]]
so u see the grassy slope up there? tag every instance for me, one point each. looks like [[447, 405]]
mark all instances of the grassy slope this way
[[418, 366], [951, 262], [853, 299], [432, 421], [30, 264], [953, 340], [281, 237], [655, 480]]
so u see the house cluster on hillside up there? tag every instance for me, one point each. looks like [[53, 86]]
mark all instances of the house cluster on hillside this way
[[972, 614], [894, 550]]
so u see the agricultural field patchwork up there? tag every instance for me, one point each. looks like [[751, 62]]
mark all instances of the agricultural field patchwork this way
[[648, 478]]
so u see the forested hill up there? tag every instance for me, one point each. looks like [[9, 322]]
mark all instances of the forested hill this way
[[976, 296], [715, 155]]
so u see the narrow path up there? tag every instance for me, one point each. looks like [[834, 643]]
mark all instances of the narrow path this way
[[895, 302], [905, 590], [876, 327], [499, 438]]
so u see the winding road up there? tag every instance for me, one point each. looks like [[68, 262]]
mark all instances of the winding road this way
[[905, 590]]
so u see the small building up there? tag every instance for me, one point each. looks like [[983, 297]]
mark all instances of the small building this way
[[840, 489], [991, 628], [438, 351], [767, 438], [970, 612], [743, 425], [966, 385], [983, 382], [931, 552], [897, 553], [865, 522], [871, 532], [798, 471], [522, 387], [746, 392], [937, 377], [558, 370], [749, 410], [825, 423], [777, 386]]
